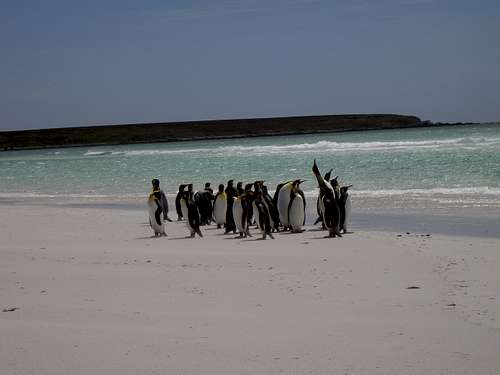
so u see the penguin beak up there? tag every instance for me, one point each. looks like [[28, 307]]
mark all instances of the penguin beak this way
[[301, 181]]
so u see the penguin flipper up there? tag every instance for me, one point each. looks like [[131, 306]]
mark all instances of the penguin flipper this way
[[301, 193], [292, 197]]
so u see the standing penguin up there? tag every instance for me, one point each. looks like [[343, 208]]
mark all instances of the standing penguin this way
[[220, 207], [283, 205], [273, 211], [241, 210], [155, 211], [231, 193], [319, 203], [345, 208], [291, 206], [330, 208], [262, 215], [190, 212], [248, 189], [257, 186], [297, 208], [178, 202], [203, 200]]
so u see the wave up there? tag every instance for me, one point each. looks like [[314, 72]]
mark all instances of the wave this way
[[317, 147], [413, 193], [479, 191]]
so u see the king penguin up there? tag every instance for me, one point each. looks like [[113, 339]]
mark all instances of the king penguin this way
[[291, 206], [344, 208], [330, 208], [319, 203], [178, 202], [241, 209], [281, 200], [190, 212], [262, 214], [220, 207], [155, 211]]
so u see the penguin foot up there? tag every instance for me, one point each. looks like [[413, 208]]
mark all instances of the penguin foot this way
[[270, 235]]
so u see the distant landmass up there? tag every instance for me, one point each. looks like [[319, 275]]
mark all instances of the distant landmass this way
[[199, 130]]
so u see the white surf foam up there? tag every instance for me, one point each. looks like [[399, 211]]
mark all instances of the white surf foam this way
[[317, 147], [463, 191]]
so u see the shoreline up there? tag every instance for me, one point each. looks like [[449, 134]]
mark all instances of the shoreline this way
[[453, 221]]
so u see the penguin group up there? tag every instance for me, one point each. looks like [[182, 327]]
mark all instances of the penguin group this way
[[333, 204], [238, 209]]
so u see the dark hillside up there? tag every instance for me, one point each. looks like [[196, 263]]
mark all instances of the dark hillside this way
[[193, 130]]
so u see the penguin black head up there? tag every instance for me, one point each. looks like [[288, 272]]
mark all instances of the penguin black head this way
[[334, 182], [182, 187], [258, 184], [207, 185], [327, 175], [239, 185], [295, 184], [221, 188], [343, 189], [248, 187], [155, 182], [190, 187], [230, 183]]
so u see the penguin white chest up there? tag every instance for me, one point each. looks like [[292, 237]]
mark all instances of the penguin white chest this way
[[220, 208], [283, 202], [296, 213], [238, 216]]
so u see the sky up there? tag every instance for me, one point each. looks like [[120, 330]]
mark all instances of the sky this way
[[79, 63]]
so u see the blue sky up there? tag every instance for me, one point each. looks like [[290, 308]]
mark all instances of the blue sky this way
[[67, 63]]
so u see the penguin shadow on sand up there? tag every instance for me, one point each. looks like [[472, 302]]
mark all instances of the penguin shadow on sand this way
[[260, 238], [165, 236]]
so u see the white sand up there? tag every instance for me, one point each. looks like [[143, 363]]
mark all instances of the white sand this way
[[97, 295]]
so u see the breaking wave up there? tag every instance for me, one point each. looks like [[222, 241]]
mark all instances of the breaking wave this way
[[317, 147], [413, 193]]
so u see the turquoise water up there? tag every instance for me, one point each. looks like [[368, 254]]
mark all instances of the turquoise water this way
[[449, 165]]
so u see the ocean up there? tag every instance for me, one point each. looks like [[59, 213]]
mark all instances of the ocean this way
[[427, 168]]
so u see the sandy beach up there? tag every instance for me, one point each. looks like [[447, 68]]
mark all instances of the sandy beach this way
[[89, 290]]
